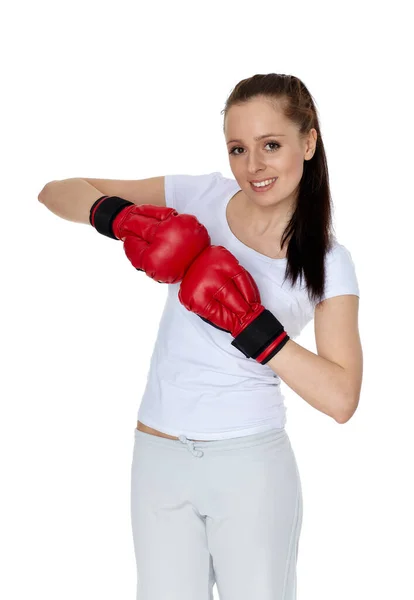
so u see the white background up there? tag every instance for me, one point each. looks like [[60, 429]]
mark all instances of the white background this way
[[134, 90]]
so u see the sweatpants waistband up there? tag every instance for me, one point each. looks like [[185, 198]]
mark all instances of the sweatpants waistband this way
[[213, 445]]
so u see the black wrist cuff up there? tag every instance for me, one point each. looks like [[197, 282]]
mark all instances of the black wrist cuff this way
[[257, 336], [106, 212]]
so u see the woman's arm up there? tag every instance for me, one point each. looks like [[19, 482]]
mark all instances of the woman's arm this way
[[70, 199], [331, 380]]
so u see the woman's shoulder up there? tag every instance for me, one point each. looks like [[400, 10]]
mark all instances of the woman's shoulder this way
[[336, 249]]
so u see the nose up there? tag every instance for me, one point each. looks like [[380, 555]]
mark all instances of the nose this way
[[255, 163]]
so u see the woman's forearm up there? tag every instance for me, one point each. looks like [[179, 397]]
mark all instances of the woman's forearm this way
[[322, 383], [70, 199]]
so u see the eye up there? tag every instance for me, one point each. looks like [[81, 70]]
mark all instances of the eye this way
[[268, 144]]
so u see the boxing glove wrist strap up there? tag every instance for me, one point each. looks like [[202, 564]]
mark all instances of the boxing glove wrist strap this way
[[103, 213], [262, 339]]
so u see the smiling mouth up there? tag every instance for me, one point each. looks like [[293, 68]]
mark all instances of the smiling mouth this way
[[260, 188], [261, 180]]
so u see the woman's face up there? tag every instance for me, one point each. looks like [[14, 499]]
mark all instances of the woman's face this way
[[278, 155]]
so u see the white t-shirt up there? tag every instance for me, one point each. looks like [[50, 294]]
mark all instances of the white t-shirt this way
[[198, 384]]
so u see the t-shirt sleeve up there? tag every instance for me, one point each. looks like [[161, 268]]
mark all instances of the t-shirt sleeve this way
[[340, 273], [184, 192]]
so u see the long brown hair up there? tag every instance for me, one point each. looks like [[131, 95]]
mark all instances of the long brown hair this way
[[310, 228]]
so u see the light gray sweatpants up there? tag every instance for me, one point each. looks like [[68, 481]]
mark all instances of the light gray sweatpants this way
[[224, 511]]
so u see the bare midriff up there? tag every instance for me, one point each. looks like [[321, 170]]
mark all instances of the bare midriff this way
[[152, 431]]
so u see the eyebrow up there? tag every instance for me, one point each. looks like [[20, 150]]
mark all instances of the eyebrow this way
[[261, 137]]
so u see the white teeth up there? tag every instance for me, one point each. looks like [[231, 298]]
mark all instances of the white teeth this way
[[264, 183]]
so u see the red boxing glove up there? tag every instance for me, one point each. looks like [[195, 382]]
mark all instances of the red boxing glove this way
[[220, 291], [160, 241], [157, 239]]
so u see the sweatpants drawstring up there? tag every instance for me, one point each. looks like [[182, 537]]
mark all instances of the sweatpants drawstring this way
[[190, 446]]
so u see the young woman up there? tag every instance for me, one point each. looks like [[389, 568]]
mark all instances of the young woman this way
[[215, 491]]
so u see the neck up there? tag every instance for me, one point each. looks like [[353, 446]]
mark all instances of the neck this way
[[265, 221]]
